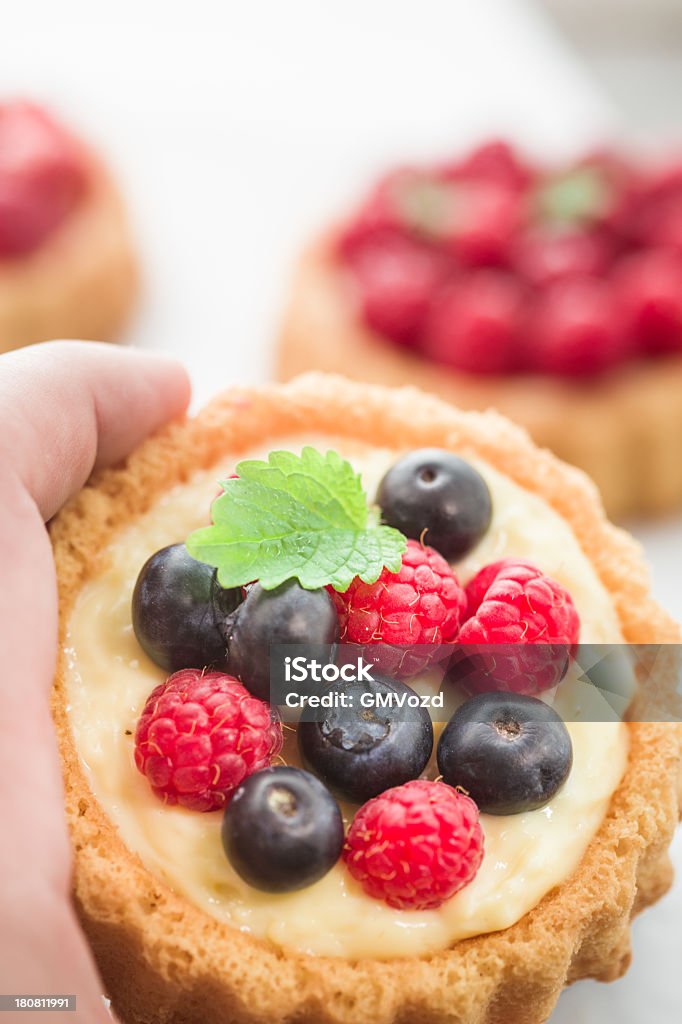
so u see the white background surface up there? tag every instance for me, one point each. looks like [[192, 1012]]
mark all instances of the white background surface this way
[[236, 128]]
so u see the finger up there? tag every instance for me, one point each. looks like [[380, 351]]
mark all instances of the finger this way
[[41, 948], [45, 953], [67, 407]]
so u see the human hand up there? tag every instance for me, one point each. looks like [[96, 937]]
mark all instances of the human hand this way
[[65, 409]]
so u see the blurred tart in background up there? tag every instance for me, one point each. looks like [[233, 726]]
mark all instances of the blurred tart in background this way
[[553, 294], [67, 267]]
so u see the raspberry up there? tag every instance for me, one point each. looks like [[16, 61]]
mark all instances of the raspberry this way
[[41, 176], [512, 601], [480, 226], [416, 845], [473, 218], [496, 161], [201, 734], [422, 604], [542, 257], [531, 621], [576, 329], [397, 279], [651, 214], [474, 325], [649, 286], [669, 232]]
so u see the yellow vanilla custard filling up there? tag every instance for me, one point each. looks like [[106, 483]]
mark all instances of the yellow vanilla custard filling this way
[[109, 679]]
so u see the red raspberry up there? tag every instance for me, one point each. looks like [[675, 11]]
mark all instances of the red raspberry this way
[[526, 625], [481, 223], [421, 604], [397, 280], [474, 324], [542, 257], [416, 845], [649, 288], [576, 329], [41, 176], [652, 211], [496, 161], [668, 234], [512, 601], [201, 734], [473, 220]]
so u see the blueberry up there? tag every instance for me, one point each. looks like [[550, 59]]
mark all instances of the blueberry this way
[[511, 753], [361, 751], [287, 615], [177, 611], [282, 830], [433, 495]]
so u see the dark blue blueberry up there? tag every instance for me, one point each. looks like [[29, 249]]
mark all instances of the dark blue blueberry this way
[[282, 830], [178, 609], [511, 753], [361, 751], [433, 495], [285, 616]]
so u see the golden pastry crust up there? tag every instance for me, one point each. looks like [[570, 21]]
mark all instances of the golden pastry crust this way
[[623, 430], [81, 282], [165, 961]]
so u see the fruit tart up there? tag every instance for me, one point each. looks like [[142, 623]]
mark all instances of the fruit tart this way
[[240, 857], [553, 294], [66, 260]]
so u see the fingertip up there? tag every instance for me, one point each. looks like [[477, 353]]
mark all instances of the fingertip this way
[[171, 381], [69, 406], [154, 388], [162, 371], [164, 376]]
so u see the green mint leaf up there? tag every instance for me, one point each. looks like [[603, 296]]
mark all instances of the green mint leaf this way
[[573, 198], [326, 484], [301, 517]]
